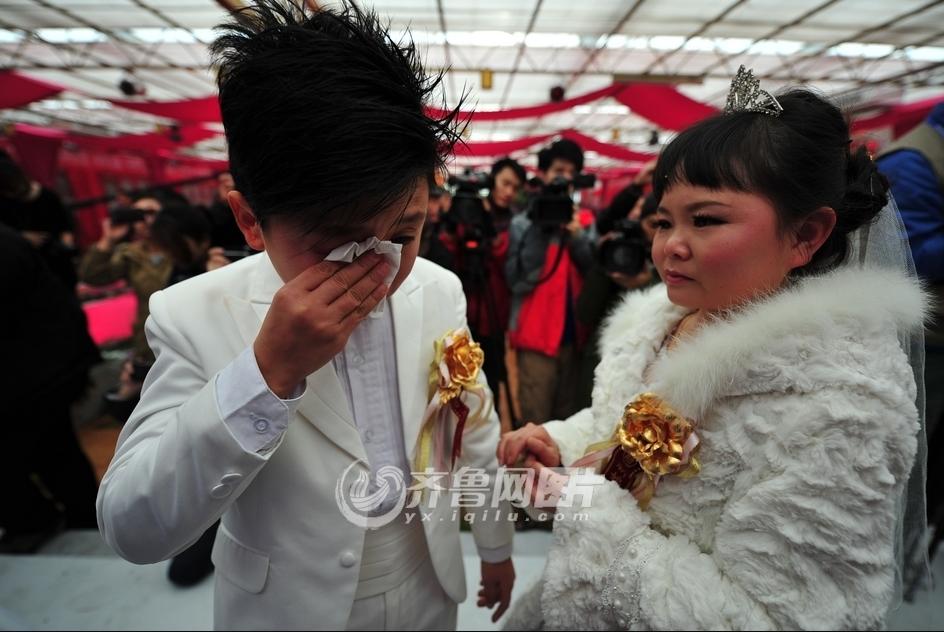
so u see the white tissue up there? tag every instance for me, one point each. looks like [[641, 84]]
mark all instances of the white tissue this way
[[350, 252]]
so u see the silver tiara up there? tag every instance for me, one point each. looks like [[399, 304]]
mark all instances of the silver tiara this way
[[746, 96]]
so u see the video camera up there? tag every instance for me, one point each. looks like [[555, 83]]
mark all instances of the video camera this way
[[627, 252], [467, 216], [553, 205]]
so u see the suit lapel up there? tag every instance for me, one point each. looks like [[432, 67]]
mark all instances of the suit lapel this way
[[324, 404], [413, 375]]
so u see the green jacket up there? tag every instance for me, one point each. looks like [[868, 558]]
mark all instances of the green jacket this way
[[144, 272]]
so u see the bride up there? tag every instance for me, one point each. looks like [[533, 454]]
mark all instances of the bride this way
[[781, 353]]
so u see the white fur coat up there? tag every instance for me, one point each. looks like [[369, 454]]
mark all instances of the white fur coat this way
[[804, 403]]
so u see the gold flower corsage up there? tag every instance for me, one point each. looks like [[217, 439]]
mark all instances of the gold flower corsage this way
[[652, 440], [453, 379]]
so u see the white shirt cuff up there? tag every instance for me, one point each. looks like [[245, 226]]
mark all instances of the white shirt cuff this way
[[255, 416], [496, 555]]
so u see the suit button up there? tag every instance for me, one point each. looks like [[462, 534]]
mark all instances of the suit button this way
[[221, 491], [231, 478], [348, 559]]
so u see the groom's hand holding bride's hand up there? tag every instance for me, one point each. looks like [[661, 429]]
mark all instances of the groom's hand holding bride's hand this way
[[548, 486], [536, 450], [524, 442]]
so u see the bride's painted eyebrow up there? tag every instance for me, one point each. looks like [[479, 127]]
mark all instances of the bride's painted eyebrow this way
[[695, 207]]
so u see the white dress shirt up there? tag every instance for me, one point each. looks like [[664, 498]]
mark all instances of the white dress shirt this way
[[254, 415], [367, 369]]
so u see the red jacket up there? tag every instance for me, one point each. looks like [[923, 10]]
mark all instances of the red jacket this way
[[543, 312]]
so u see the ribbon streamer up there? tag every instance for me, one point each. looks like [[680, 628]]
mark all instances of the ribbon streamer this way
[[453, 379]]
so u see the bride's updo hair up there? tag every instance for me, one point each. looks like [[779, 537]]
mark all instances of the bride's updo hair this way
[[800, 161]]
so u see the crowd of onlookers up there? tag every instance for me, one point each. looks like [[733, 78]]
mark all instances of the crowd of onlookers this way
[[536, 283]]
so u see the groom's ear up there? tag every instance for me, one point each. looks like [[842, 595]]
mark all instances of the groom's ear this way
[[246, 220]]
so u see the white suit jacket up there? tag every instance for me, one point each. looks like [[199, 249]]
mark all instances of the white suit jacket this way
[[285, 556]]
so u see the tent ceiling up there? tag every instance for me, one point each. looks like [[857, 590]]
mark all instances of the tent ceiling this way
[[866, 52]]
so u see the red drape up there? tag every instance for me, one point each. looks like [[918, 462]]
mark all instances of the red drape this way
[[499, 147], [203, 110], [193, 161], [610, 150], [85, 183], [505, 147], [534, 110], [151, 142], [38, 151], [17, 90], [165, 140], [901, 118], [663, 105]]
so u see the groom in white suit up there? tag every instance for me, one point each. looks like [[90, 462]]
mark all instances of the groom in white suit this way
[[277, 374]]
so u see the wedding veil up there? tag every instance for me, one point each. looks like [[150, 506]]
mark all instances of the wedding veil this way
[[884, 244]]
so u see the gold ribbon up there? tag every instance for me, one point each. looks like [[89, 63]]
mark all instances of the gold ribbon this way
[[454, 372], [657, 437]]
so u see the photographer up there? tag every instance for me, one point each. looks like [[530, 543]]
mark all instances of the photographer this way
[[626, 203], [126, 252], [432, 246], [505, 184], [548, 254], [624, 263], [476, 236], [185, 235]]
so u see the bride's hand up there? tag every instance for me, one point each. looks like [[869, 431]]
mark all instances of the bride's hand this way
[[547, 484], [532, 440]]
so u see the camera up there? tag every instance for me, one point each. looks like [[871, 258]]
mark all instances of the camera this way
[[468, 191], [467, 217], [628, 251], [553, 205], [471, 226], [125, 216]]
